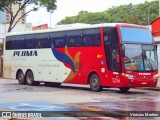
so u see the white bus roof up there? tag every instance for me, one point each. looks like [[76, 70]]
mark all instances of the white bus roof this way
[[67, 27]]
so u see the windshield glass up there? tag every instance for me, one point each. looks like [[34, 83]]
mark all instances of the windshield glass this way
[[140, 57], [133, 34]]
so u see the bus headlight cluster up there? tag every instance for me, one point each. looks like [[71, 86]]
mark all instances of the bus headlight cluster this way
[[129, 76], [156, 76]]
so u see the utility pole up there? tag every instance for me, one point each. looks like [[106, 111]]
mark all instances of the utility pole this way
[[50, 19], [148, 15]]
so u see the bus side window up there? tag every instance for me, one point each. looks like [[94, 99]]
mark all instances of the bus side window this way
[[13, 43], [48, 42], [29, 41], [73, 38], [57, 39], [71, 41], [41, 40], [58, 42], [78, 40], [97, 39], [8, 43], [94, 40], [19, 41], [91, 37]]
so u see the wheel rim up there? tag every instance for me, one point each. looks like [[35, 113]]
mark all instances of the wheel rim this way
[[94, 83], [20, 77], [30, 79]]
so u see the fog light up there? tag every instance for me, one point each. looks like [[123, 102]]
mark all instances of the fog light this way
[[156, 76]]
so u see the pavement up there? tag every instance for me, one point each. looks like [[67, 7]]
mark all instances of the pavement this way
[[157, 88]]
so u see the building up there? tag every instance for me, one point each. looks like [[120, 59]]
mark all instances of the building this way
[[155, 24], [2, 17], [5, 16], [40, 27], [156, 29]]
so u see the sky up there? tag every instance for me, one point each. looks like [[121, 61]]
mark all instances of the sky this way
[[73, 7]]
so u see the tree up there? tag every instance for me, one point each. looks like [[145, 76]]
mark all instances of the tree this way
[[137, 14], [6, 5]]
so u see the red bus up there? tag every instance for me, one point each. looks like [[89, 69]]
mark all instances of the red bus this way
[[115, 55]]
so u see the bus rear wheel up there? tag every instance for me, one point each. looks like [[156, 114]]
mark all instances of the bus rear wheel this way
[[95, 83], [21, 78], [30, 79], [124, 89]]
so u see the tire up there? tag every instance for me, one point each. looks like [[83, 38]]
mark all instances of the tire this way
[[21, 78], [124, 89], [30, 79], [95, 83]]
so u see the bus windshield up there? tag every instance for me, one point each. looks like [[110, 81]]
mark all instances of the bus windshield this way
[[140, 57], [136, 35]]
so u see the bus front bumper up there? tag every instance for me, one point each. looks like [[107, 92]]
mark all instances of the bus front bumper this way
[[142, 83]]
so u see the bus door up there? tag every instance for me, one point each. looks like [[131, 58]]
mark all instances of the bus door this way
[[115, 65], [112, 55]]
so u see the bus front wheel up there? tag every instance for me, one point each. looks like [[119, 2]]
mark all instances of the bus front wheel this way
[[21, 78], [95, 83], [30, 79]]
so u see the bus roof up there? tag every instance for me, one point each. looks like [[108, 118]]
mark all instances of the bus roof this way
[[76, 26]]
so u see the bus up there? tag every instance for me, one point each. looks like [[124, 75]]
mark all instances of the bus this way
[[111, 55]]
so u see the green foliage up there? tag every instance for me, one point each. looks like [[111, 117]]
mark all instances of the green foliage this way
[[137, 14], [6, 5]]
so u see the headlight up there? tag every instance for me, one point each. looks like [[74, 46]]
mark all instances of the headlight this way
[[156, 76], [129, 76]]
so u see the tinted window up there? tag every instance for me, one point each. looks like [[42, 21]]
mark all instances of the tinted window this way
[[9, 43], [90, 37], [42, 40], [18, 42], [73, 38], [29, 41], [58, 39]]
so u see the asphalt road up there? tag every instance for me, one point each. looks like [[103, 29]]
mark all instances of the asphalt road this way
[[78, 102]]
